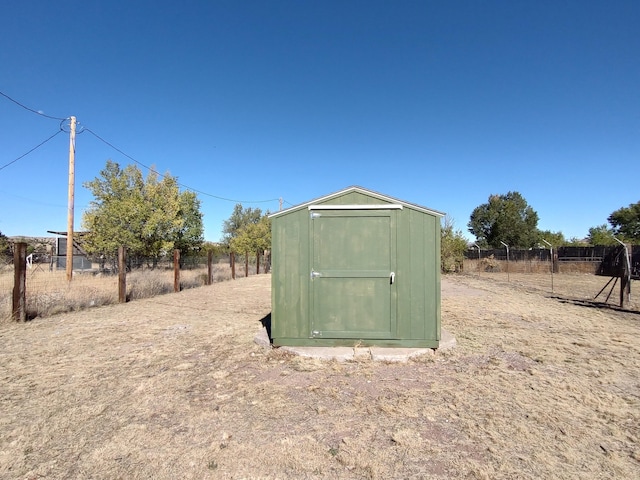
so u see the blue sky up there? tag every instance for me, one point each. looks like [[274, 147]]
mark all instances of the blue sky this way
[[437, 103]]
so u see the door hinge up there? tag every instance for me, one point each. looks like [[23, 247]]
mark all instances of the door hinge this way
[[315, 274], [315, 215]]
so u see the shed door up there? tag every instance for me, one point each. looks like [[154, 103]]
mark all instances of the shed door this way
[[352, 274]]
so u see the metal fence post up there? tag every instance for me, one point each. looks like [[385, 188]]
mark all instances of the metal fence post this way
[[550, 253], [479, 259], [507, 246]]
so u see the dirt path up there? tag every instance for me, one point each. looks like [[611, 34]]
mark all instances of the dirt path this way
[[174, 387]]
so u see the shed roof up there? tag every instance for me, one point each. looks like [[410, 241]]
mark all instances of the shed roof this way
[[364, 191]]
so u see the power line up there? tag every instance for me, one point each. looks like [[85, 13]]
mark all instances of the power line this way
[[38, 202], [25, 154], [30, 109], [121, 152], [164, 175]]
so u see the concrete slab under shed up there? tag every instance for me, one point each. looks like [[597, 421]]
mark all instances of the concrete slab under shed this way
[[342, 354]]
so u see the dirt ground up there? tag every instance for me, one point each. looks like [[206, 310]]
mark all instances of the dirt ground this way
[[539, 386]]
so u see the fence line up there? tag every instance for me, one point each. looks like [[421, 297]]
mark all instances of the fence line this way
[[602, 260], [44, 290]]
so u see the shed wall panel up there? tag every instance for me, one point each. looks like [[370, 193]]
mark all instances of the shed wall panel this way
[[290, 258], [416, 248]]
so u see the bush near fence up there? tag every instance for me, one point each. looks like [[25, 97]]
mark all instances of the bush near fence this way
[[95, 282]]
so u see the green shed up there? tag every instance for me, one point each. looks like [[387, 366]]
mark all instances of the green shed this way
[[356, 267]]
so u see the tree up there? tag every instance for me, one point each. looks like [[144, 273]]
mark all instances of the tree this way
[[251, 239], [452, 246], [626, 222], [150, 217], [601, 235], [507, 218], [556, 239], [5, 247], [241, 217], [190, 235]]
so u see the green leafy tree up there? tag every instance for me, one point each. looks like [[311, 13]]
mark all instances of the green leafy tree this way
[[554, 238], [241, 217], [253, 237], [150, 217], [189, 236], [452, 246], [507, 218], [601, 235], [5, 246], [626, 222]]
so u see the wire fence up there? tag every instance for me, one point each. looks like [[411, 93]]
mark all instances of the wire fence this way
[[96, 280], [590, 274], [601, 260]]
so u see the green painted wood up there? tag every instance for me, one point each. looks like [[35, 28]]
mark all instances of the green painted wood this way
[[289, 276], [346, 301], [352, 260], [354, 342]]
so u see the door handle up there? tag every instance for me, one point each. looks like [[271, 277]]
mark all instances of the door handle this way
[[392, 277]]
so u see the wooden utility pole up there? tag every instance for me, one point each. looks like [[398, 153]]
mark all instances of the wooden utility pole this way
[[72, 157]]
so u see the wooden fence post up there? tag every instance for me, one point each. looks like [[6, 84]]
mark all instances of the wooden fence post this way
[[122, 274], [232, 257], [246, 264], [258, 262], [19, 309], [176, 270], [209, 267]]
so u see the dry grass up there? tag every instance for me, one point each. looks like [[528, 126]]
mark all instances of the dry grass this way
[[491, 265], [577, 287], [49, 293], [174, 387]]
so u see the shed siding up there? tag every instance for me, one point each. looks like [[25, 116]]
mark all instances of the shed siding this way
[[354, 198], [417, 270], [290, 273]]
